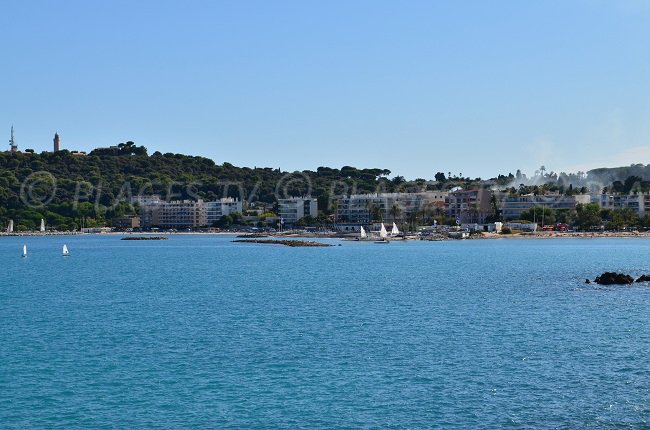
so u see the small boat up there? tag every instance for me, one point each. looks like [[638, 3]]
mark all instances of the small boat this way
[[10, 227], [25, 250], [382, 232], [362, 234], [66, 253], [42, 225], [394, 231], [383, 235], [458, 235]]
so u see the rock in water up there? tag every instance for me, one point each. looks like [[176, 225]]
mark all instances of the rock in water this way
[[643, 278], [291, 243], [612, 278]]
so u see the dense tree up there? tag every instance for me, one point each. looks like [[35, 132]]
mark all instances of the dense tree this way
[[619, 219], [588, 216]]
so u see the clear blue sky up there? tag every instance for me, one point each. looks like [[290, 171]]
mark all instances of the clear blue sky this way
[[478, 87]]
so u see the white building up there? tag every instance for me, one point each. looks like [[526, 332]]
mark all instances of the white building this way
[[220, 208], [293, 209], [522, 226], [639, 203], [146, 200]]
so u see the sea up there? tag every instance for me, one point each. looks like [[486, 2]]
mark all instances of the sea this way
[[199, 332]]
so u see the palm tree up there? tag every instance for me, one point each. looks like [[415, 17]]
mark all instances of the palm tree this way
[[412, 220], [375, 213], [495, 207], [395, 211], [473, 213]]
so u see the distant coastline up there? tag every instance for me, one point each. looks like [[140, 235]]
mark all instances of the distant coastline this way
[[481, 236]]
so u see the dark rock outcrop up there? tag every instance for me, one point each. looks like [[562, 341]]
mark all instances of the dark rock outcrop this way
[[144, 238], [612, 278], [291, 243], [643, 278]]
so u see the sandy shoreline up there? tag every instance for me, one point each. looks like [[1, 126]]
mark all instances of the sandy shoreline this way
[[561, 235]]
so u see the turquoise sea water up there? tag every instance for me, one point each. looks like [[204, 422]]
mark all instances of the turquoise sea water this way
[[199, 332]]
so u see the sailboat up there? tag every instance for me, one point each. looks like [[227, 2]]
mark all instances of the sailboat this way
[[395, 230], [42, 225], [362, 234], [383, 235], [25, 250], [382, 232], [66, 253], [10, 227]]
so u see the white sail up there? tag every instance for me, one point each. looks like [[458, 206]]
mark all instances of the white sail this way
[[10, 228], [383, 233], [65, 250], [24, 250], [42, 225], [363, 234], [395, 230]]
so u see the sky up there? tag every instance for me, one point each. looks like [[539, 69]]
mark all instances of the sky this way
[[471, 87]]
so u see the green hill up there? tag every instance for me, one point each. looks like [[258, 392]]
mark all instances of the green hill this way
[[63, 187]]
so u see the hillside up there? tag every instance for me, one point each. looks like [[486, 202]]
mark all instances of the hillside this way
[[609, 175], [63, 187]]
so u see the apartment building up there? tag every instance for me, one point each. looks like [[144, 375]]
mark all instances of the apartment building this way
[[470, 206], [386, 207], [293, 209], [513, 206], [217, 209], [637, 202]]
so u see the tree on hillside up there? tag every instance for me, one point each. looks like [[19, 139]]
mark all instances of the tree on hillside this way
[[630, 183]]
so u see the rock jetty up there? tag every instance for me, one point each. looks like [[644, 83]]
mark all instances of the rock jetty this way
[[144, 238], [292, 243]]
